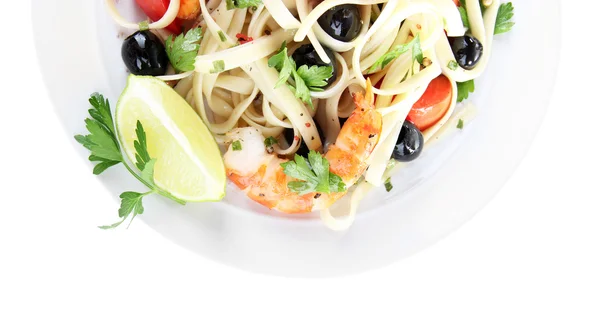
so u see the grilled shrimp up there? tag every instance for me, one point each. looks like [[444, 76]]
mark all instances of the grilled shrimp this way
[[261, 176]]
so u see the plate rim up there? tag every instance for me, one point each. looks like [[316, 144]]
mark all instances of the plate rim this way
[[40, 27]]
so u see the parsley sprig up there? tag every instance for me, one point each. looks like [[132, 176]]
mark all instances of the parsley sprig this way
[[306, 78], [503, 20], [105, 149], [314, 175], [182, 50], [241, 4], [394, 53]]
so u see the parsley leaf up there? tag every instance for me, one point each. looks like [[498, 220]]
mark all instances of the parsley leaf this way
[[314, 175], [298, 168], [283, 64], [241, 4], [505, 14], [131, 202], [141, 156], [316, 76], [270, 141], [102, 141], [301, 90], [277, 60], [104, 148], [417, 51], [394, 53], [102, 166], [236, 145], [101, 111], [301, 187], [336, 184], [463, 89], [320, 167], [182, 50], [460, 124], [306, 78], [148, 171]]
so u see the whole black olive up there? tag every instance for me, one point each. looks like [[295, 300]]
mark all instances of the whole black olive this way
[[342, 22], [409, 144], [144, 54], [307, 55], [467, 51], [303, 150]]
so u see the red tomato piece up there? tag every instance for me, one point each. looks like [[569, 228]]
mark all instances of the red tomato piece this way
[[156, 9], [433, 105]]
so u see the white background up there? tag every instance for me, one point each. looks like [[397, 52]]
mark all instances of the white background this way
[[531, 256]]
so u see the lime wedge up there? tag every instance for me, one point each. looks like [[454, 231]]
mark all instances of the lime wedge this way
[[189, 164]]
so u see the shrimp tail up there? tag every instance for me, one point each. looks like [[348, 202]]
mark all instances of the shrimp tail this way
[[365, 100], [349, 154]]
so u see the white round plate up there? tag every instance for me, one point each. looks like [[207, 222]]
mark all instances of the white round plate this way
[[79, 52]]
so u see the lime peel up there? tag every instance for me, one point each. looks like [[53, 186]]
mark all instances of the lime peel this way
[[189, 164]]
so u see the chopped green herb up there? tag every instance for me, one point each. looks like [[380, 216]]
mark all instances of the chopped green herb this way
[[104, 148], [388, 185], [394, 53], [144, 25], [460, 124], [222, 36], [453, 65], [505, 14], [236, 145], [218, 66], [463, 89], [306, 78], [270, 141], [182, 51], [241, 4], [314, 175]]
